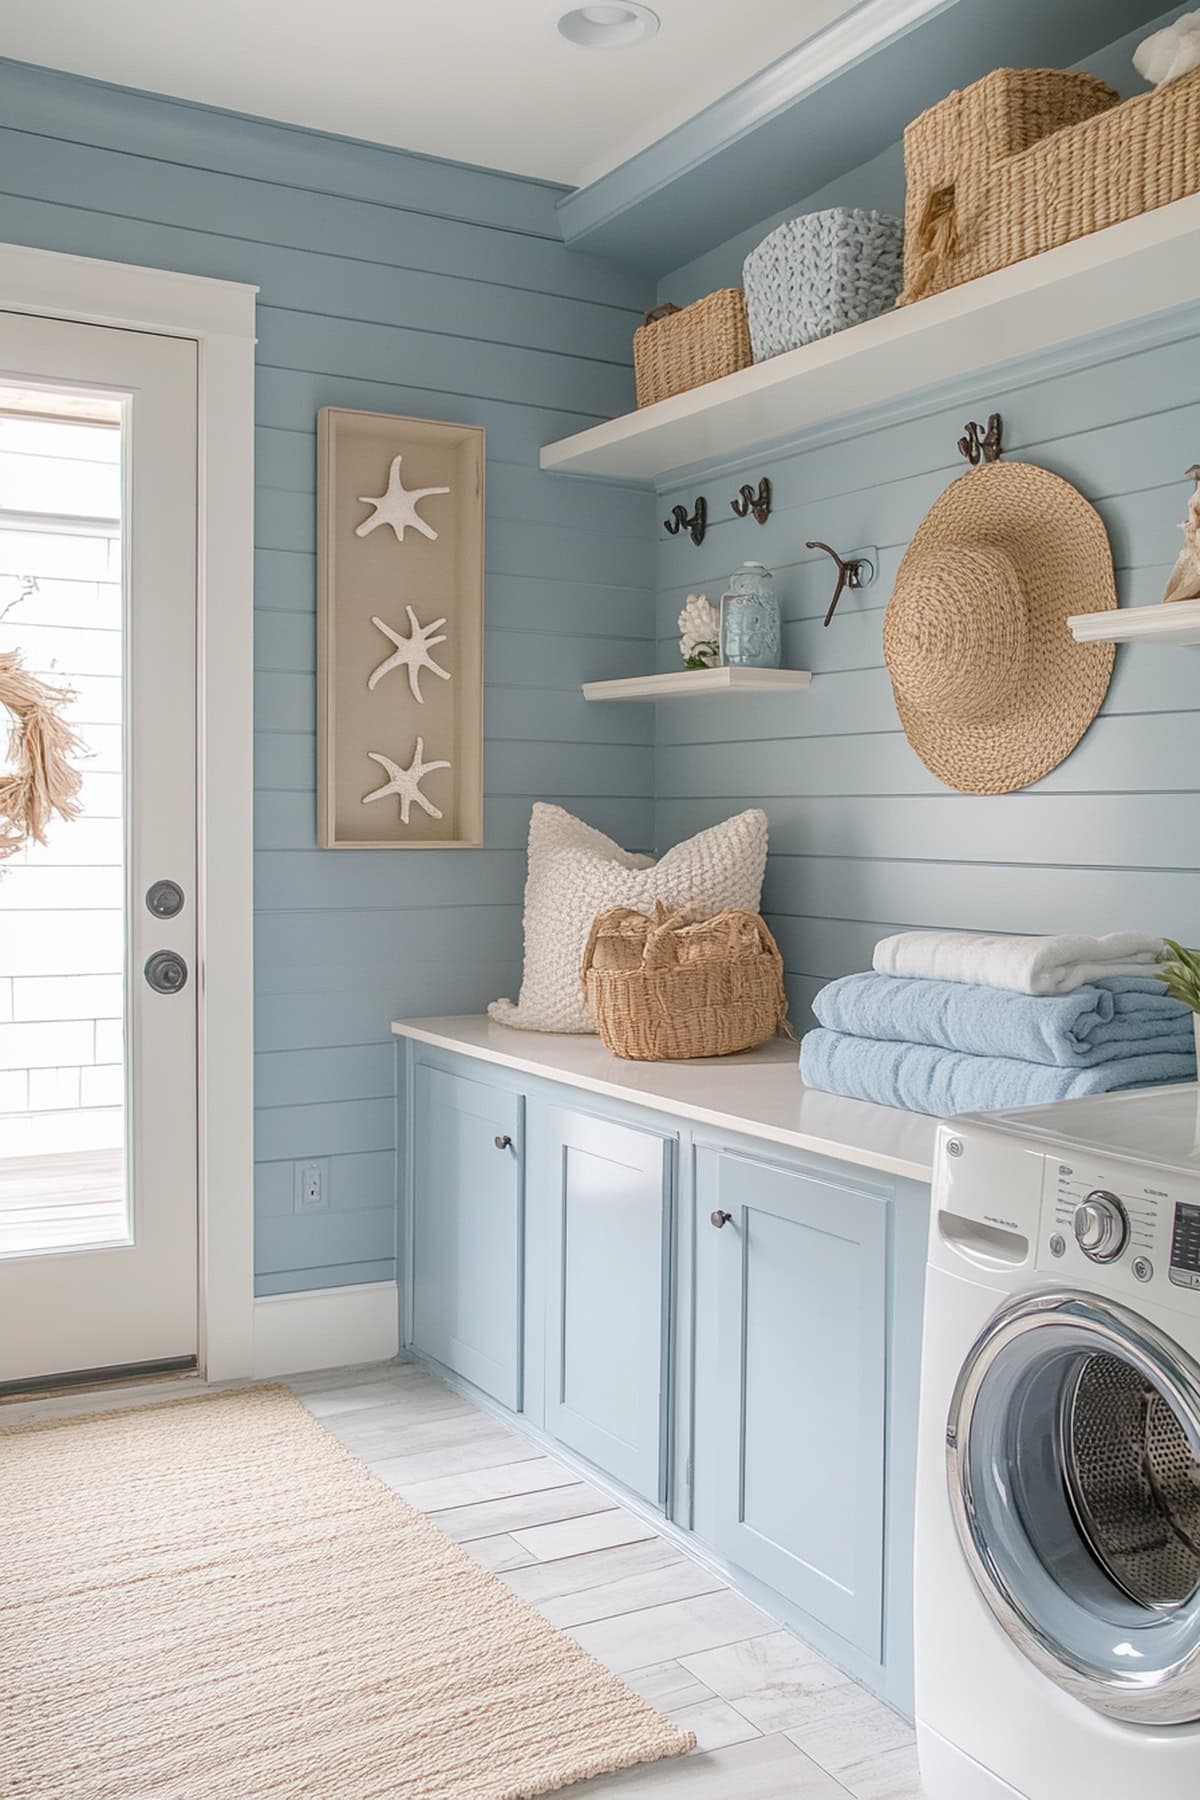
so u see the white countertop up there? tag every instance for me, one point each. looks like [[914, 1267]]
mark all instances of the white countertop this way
[[759, 1092]]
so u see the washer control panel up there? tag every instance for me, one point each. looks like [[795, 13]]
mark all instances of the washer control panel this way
[[1101, 1226], [1121, 1226], [1185, 1245]]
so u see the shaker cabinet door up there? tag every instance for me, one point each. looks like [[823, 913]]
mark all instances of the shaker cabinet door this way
[[791, 1385], [604, 1203], [467, 1230]]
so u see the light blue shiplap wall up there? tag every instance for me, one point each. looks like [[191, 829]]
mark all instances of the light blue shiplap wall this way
[[864, 840], [398, 284]]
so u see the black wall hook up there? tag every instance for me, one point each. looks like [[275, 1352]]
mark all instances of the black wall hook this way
[[978, 445], [696, 526], [749, 502], [853, 572]]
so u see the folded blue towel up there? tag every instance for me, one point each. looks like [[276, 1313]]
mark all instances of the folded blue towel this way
[[924, 1078], [1106, 1021]]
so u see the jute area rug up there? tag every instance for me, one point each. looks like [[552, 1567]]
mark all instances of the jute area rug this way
[[212, 1600]]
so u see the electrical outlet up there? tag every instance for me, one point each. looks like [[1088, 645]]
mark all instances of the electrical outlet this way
[[312, 1185]]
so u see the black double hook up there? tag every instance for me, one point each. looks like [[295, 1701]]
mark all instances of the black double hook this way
[[980, 446], [695, 526], [749, 502]]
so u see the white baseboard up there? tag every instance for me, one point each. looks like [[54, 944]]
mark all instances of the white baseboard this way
[[326, 1328]]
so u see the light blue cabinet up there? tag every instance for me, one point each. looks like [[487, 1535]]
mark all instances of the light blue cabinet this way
[[754, 1381], [791, 1365], [467, 1230], [603, 1190]]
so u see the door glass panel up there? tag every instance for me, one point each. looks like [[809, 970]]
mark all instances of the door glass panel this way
[[62, 903]]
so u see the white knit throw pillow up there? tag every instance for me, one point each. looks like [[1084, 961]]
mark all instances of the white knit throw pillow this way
[[576, 872]]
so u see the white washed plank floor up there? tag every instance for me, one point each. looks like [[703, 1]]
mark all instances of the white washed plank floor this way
[[773, 1720], [56, 1202]]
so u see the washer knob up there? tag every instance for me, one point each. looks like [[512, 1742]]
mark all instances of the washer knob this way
[[1101, 1226]]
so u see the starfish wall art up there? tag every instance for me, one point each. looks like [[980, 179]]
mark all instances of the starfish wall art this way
[[398, 507], [389, 604], [406, 783], [411, 652]]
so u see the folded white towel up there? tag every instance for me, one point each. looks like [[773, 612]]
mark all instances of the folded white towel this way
[[1028, 965]]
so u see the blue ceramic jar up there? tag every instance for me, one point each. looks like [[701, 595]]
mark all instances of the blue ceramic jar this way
[[750, 634]]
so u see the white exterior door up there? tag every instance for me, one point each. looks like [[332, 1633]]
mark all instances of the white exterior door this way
[[98, 952]]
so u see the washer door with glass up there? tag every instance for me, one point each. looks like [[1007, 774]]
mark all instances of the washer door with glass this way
[[1073, 1452]]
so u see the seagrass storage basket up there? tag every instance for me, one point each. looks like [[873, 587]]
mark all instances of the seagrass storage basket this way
[[1028, 159], [677, 348], [669, 987], [953, 153]]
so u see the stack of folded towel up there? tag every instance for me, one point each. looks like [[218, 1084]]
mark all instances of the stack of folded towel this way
[[954, 1022]]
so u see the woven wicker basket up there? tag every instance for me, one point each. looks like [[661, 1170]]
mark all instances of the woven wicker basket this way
[[1022, 161], [681, 348], [670, 987]]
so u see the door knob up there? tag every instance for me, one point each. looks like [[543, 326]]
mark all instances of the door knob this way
[[166, 972], [504, 1143], [719, 1218], [164, 899]]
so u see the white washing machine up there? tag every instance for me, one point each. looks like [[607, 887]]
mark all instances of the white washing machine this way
[[1058, 1505]]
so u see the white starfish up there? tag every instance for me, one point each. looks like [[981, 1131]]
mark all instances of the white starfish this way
[[398, 507], [406, 782], [413, 651]]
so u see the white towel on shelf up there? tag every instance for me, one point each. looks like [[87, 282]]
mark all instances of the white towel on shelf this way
[[1027, 965]]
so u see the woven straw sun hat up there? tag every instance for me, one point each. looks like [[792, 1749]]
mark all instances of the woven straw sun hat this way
[[992, 690]]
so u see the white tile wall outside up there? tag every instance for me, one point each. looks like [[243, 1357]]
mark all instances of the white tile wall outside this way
[[65, 997], [103, 1086], [36, 1134], [54, 555], [69, 602], [93, 488], [62, 937], [32, 887], [14, 1090], [53, 1090], [50, 1045], [81, 843], [44, 944]]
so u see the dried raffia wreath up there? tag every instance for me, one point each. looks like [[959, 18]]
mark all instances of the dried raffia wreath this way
[[40, 780]]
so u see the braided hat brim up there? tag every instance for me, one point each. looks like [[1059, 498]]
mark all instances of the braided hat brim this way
[[1059, 547]]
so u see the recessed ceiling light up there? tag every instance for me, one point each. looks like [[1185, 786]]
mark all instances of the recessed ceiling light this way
[[616, 26]]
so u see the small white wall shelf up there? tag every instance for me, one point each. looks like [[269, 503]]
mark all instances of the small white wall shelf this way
[[1178, 623], [1132, 270], [683, 684]]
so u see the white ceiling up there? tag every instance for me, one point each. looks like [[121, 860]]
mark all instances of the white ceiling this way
[[482, 81]]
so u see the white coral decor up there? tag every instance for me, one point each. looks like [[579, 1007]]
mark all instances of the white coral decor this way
[[699, 633], [1171, 52]]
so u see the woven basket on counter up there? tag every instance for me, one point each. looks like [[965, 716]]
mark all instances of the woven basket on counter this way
[[680, 348], [1025, 160], [671, 986]]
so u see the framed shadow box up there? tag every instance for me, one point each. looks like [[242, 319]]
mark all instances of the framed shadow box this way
[[399, 632]]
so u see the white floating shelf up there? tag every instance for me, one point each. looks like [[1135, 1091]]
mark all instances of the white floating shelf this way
[[1178, 623], [684, 683], [1130, 271]]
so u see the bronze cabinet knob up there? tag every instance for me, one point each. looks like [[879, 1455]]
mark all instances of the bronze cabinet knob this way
[[504, 1143], [720, 1218]]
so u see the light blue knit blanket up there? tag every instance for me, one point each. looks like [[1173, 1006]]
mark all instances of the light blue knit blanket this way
[[1106, 1021], [924, 1078]]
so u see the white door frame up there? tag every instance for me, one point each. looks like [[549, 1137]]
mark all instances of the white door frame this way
[[219, 317]]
